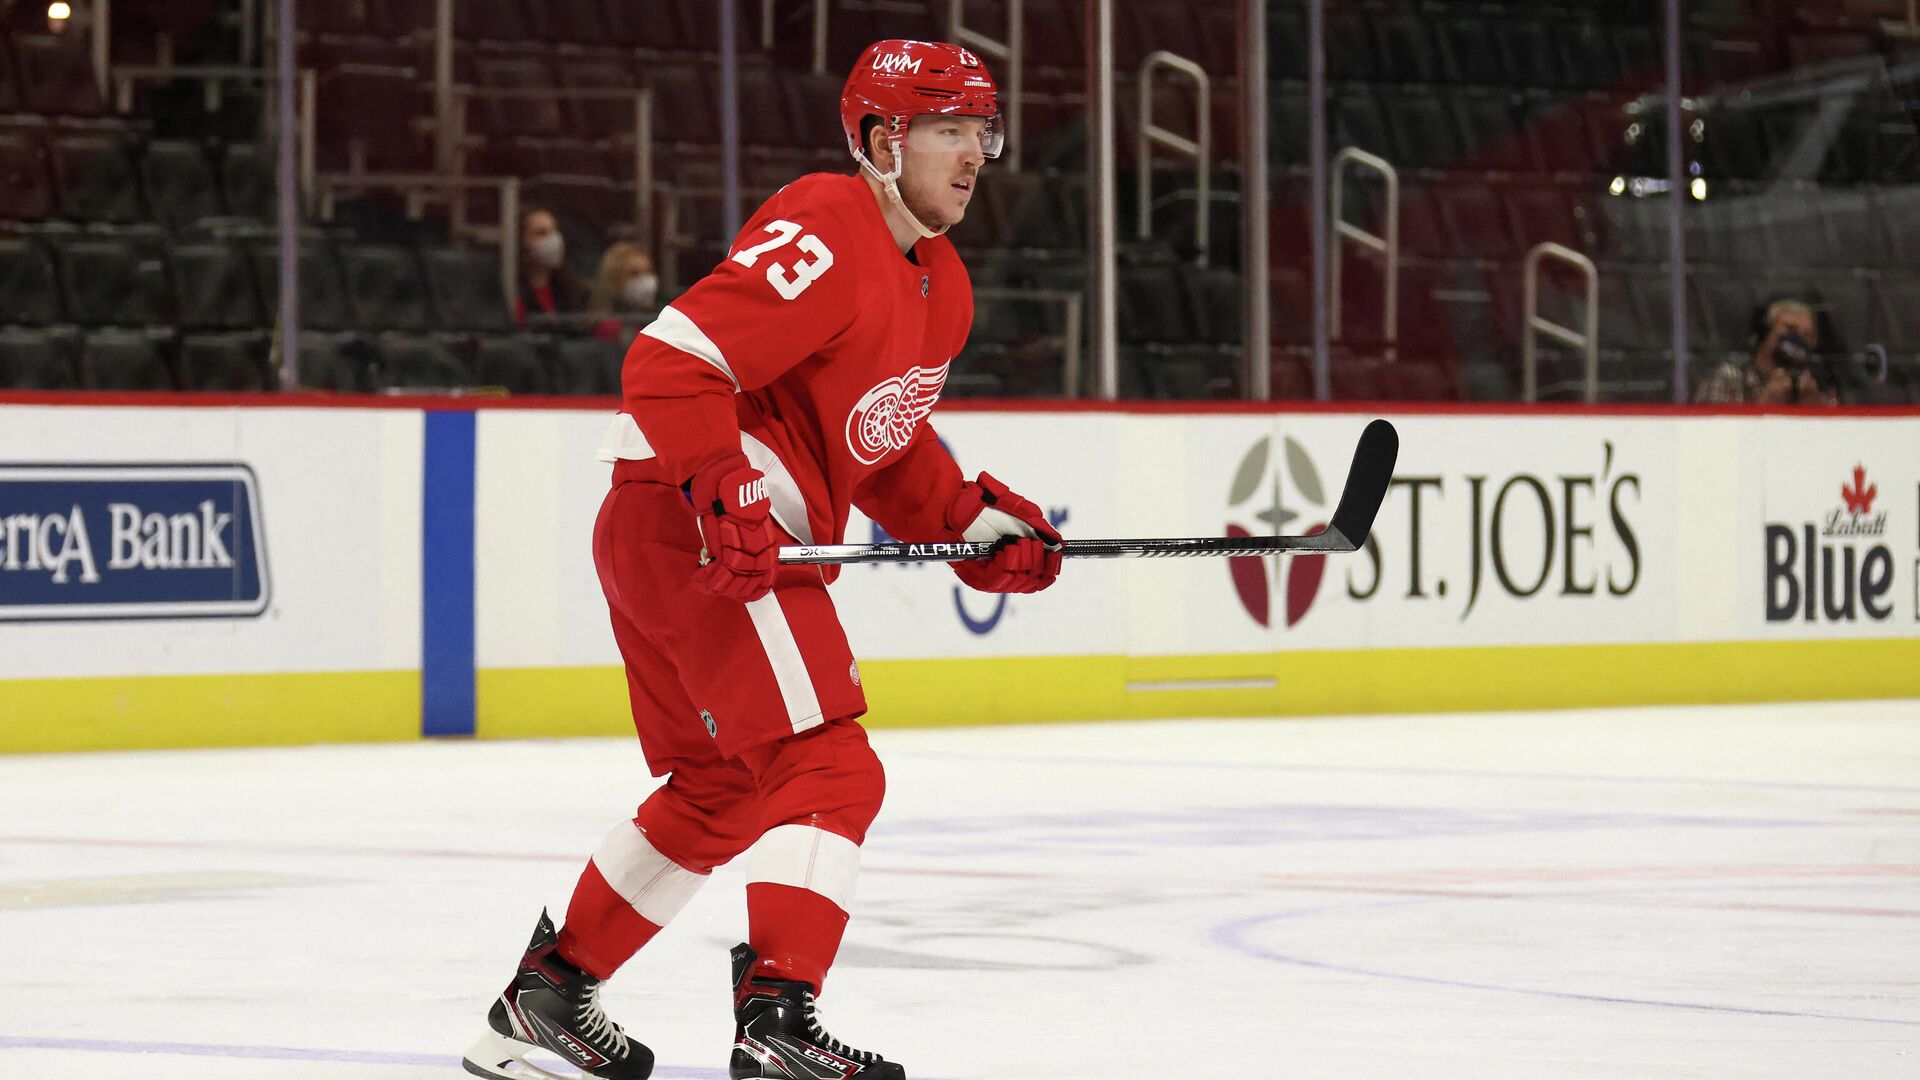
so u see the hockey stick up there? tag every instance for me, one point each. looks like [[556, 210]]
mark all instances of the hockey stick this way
[[1367, 481]]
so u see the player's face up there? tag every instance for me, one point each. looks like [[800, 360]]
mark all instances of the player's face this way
[[942, 156]]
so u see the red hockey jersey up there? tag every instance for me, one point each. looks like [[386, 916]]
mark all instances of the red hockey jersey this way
[[817, 349]]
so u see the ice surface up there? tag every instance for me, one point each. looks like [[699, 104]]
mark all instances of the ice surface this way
[[1650, 893]]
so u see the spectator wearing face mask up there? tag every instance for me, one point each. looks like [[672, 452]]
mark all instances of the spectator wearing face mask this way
[[626, 286], [547, 286]]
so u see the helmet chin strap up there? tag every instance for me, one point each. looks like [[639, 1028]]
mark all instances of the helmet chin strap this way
[[891, 182]]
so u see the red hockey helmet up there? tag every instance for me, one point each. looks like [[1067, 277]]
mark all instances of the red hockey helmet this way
[[898, 80]]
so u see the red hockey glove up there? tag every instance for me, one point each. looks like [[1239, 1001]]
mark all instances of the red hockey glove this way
[[738, 552], [1028, 559]]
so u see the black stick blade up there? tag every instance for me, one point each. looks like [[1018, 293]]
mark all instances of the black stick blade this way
[[1367, 482]]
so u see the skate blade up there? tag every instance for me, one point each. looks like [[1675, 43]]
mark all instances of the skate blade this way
[[498, 1057]]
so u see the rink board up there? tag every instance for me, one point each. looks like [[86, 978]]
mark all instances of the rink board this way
[[425, 568]]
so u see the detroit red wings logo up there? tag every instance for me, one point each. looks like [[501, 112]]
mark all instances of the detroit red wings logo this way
[[886, 416]]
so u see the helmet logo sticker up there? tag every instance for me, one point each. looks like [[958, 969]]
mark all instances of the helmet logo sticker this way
[[897, 63]]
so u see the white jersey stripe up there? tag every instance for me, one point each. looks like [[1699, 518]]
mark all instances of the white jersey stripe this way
[[807, 858], [674, 328], [624, 441], [655, 885], [789, 506], [789, 668]]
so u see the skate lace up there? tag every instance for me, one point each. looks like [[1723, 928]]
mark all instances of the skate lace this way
[[828, 1042], [595, 1026]]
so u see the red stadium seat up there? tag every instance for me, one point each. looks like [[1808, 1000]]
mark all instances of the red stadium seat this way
[[25, 191], [56, 74]]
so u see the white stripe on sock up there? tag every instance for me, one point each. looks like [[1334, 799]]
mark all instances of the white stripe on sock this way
[[655, 885], [807, 858]]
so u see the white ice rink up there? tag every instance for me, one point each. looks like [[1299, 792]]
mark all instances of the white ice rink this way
[[1710, 893]]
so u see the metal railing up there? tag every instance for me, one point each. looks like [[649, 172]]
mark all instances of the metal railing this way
[[1387, 246], [422, 188], [1013, 50], [1073, 307], [820, 13], [211, 77], [642, 99], [1586, 339], [1199, 148]]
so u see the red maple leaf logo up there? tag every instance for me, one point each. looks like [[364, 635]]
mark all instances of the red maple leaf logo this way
[[1859, 496]]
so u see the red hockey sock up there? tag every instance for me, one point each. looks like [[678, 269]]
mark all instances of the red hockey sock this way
[[628, 891], [796, 932], [800, 882], [602, 930]]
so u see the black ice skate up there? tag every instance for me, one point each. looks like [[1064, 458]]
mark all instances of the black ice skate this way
[[778, 1034], [552, 1005]]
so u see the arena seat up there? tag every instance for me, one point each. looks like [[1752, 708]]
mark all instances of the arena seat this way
[[1356, 378], [56, 74], [384, 287], [323, 293], [1490, 134], [349, 92], [28, 293], [465, 288], [122, 360], [1153, 305], [685, 104], [1217, 300], [215, 287], [94, 179], [1476, 223], [230, 363], [1728, 302], [31, 358], [497, 117], [1628, 229], [492, 20], [587, 365], [1542, 213], [247, 181], [11, 100], [331, 17], [1350, 46], [1404, 41], [418, 362], [178, 183], [108, 283], [330, 362], [1423, 129], [1355, 119], [513, 363], [1189, 372], [26, 194], [1290, 377], [1466, 50], [1898, 319], [597, 118], [1414, 380], [577, 22], [1896, 218]]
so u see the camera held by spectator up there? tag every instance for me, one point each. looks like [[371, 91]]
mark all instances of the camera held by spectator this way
[[1784, 368]]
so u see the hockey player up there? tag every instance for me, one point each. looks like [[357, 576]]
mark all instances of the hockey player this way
[[792, 382]]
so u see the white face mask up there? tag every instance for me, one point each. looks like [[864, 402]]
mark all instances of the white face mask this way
[[640, 291], [548, 250]]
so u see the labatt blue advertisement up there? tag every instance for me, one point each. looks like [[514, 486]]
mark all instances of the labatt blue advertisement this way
[[96, 541]]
